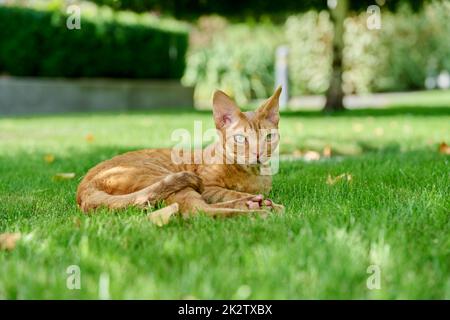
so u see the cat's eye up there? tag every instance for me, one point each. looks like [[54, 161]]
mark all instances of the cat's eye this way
[[271, 136], [239, 138]]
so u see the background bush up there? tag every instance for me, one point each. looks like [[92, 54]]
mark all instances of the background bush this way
[[309, 38], [236, 58], [194, 8], [249, 8], [409, 47], [121, 45]]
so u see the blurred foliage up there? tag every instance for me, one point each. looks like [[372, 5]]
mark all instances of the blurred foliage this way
[[236, 58], [109, 44], [309, 37], [193, 8], [239, 58], [418, 45], [253, 8]]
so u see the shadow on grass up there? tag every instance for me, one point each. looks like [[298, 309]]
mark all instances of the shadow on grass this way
[[381, 112], [369, 112], [155, 111]]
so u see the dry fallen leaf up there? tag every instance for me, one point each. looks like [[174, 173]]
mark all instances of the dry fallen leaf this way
[[49, 158], [444, 148], [393, 124], [162, 216], [407, 129], [64, 176], [379, 131], [327, 152], [90, 137], [357, 127], [77, 222], [311, 156], [342, 177], [8, 240]]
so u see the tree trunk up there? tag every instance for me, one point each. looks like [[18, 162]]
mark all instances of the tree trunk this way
[[335, 95]]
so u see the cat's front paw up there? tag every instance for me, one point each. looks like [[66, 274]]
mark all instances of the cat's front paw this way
[[255, 202], [277, 208], [258, 202]]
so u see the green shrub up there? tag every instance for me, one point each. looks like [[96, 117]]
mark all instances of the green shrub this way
[[240, 58], [123, 45], [236, 58], [409, 47], [418, 45], [246, 8], [193, 8], [309, 38]]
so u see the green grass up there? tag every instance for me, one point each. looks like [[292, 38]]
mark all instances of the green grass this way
[[394, 213]]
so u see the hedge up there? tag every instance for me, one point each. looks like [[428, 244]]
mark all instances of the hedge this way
[[252, 8], [409, 48], [38, 43]]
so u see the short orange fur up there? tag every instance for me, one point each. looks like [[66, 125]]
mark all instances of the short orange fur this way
[[142, 178]]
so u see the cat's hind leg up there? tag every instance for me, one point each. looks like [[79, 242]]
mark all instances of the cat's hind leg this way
[[91, 197]]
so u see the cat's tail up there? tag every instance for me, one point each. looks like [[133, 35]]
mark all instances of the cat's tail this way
[[90, 197]]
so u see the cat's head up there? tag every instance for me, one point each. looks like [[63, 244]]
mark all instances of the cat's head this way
[[248, 137]]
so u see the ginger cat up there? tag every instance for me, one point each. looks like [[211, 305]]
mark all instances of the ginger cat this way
[[218, 188]]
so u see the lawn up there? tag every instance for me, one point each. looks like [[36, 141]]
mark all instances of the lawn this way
[[393, 214]]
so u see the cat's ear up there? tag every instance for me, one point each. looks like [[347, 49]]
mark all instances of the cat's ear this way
[[225, 110], [270, 109]]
